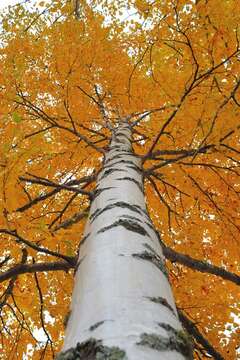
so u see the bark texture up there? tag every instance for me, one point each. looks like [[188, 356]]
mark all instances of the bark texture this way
[[122, 297]]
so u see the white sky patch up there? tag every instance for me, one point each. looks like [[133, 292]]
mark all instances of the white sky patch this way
[[29, 3], [230, 328], [4, 3], [187, 8], [29, 353], [48, 318], [40, 335]]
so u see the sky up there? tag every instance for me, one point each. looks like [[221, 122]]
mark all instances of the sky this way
[[4, 3]]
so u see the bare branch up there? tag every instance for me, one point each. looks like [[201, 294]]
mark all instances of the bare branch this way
[[134, 69], [193, 331], [37, 267], [73, 220], [169, 209], [188, 152], [199, 265], [55, 185], [37, 200], [41, 312], [77, 9], [8, 292], [41, 249], [85, 179]]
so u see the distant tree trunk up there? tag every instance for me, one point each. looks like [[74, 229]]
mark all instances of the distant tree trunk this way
[[122, 304]]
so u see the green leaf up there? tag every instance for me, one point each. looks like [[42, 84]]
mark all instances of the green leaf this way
[[16, 118], [69, 247]]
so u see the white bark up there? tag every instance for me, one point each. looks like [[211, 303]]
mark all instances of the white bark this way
[[121, 289]]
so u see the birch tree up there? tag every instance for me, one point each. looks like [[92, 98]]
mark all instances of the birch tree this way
[[120, 180]]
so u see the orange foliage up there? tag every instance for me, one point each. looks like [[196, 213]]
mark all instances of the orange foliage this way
[[62, 74]]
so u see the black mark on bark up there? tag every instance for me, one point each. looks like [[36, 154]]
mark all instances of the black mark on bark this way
[[120, 204], [127, 178], [153, 258], [97, 192], [92, 349], [127, 224], [161, 301], [135, 168], [175, 341], [95, 326], [108, 172]]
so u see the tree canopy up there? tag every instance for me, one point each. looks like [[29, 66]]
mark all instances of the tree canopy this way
[[71, 70]]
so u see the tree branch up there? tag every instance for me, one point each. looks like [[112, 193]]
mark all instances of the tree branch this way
[[33, 268], [41, 303], [73, 220], [8, 292], [55, 185], [189, 152], [193, 330], [69, 259], [85, 179], [199, 265]]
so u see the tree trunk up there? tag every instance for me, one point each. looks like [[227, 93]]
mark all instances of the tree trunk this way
[[122, 305]]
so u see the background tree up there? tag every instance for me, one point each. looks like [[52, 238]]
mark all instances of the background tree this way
[[67, 76]]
